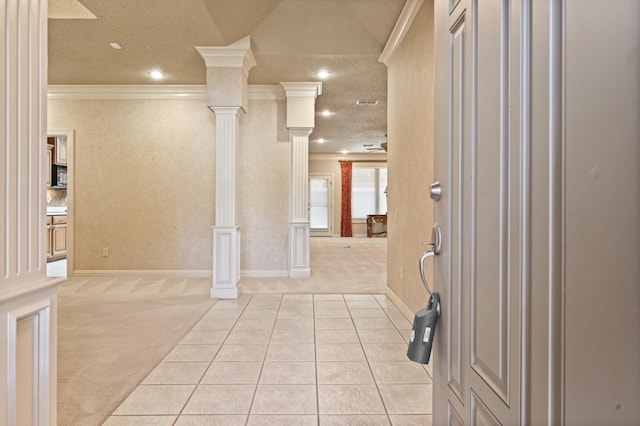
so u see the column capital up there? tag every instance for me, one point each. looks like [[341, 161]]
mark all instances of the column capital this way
[[311, 89], [300, 131], [301, 103], [227, 73], [236, 55], [220, 110]]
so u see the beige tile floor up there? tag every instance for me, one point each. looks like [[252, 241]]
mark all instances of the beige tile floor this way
[[287, 359]]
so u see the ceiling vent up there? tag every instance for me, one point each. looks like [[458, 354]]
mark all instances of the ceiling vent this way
[[366, 102]]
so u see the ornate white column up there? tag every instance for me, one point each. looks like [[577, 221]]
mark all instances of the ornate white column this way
[[227, 71], [226, 235], [28, 299], [301, 99]]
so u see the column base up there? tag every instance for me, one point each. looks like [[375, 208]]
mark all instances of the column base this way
[[300, 273], [226, 262], [224, 293], [299, 266]]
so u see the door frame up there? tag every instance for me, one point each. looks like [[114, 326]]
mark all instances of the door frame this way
[[70, 135]]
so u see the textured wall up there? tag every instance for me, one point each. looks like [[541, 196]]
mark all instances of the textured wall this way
[[144, 182], [263, 187], [410, 158]]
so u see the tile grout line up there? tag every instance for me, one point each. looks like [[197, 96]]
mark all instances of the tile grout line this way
[[264, 360], [375, 382], [315, 357], [212, 359], [156, 366]]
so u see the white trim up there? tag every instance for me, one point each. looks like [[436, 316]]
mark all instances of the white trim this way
[[196, 273], [348, 157], [127, 92], [224, 293], [158, 92], [41, 368], [258, 273], [26, 289], [408, 14], [300, 273]]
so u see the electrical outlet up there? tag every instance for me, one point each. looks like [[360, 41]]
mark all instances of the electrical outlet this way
[[105, 252]]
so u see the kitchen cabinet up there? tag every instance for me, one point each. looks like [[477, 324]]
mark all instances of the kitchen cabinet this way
[[61, 150], [56, 237]]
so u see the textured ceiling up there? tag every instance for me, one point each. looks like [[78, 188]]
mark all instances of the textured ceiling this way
[[291, 40]]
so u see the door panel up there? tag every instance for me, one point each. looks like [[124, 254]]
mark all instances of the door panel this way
[[536, 150], [478, 270], [490, 211], [454, 305]]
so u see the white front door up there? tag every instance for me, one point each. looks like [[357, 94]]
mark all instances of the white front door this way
[[537, 146], [478, 151], [320, 196]]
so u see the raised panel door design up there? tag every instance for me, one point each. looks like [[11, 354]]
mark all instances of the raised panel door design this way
[[477, 161]]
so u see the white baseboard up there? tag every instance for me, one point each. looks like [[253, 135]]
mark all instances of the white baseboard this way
[[299, 273], [195, 273], [406, 311], [257, 273]]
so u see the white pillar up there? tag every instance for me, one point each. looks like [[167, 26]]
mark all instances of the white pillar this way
[[28, 299], [227, 72], [226, 234], [301, 98], [299, 264]]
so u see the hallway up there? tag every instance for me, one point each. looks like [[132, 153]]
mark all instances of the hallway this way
[[332, 352]]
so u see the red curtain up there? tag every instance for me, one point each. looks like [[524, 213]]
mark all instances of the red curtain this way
[[345, 224]]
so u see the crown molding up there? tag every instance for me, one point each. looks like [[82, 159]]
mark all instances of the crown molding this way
[[170, 92], [113, 91], [360, 157], [408, 14]]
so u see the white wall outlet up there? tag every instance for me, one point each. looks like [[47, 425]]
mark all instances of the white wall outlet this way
[[105, 252]]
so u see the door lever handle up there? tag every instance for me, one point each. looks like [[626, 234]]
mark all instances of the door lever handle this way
[[425, 255]]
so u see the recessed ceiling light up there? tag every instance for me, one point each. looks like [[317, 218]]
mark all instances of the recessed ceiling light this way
[[115, 46], [156, 74], [344, 151], [323, 74], [326, 113], [320, 140]]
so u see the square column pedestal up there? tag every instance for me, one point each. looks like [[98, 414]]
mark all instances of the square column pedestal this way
[[299, 249], [226, 258]]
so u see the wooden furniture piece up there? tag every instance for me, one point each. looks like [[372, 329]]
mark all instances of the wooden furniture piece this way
[[376, 225]]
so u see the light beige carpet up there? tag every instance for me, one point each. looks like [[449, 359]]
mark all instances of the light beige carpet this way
[[112, 332]]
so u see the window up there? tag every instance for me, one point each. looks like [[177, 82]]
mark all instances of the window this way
[[319, 202], [367, 191]]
